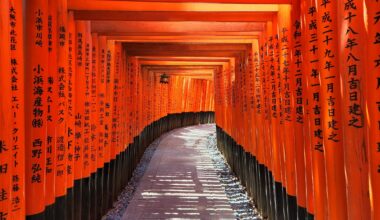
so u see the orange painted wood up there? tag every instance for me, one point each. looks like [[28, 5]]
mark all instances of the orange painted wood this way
[[298, 102], [312, 73], [306, 102], [128, 95], [36, 74], [6, 119], [226, 16], [51, 102], [71, 94], [182, 37], [167, 6], [327, 21], [185, 53], [115, 98], [101, 100], [87, 64], [62, 96], [18, 108], [262, 108], [80, 90], [267, 101], [285, 33], [353, 36], [108, 101], [372, 85], [257, 98], [187, 46], [94, 146], [175, 27], [274, 100], [221, 1]]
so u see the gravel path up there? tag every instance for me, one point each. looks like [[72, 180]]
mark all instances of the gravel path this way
[[235, 194], [240, 202], [125, 197]]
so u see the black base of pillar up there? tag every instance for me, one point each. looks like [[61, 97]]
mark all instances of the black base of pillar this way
[[280, 201], [292, 207], [309, 216], [60, 208], [50, 211], [86, 198], [301, 213], [106, 171], [70, 204], [39, 216], [77, 199], [99, 195], [93, 196], [270, 197]]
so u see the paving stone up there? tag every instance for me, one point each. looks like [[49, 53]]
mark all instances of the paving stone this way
[[183, 176], [185, 173]]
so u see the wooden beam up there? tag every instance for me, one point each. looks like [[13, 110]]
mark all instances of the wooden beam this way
[[221, 1], [175, 70], [174, 27], [116, 15], [179, 67], [218, 59], [185, 50], [185, 39], [188, 73], [192, 73], [186, 46], [225, 34], [180, 63], [171, 6], [185, 53]]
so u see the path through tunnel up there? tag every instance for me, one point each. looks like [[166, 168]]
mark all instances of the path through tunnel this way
[[291, 85]]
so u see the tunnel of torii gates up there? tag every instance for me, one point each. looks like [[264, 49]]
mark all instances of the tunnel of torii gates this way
[[293, 87]]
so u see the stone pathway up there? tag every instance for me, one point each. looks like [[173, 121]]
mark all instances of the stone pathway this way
[[181, 181]]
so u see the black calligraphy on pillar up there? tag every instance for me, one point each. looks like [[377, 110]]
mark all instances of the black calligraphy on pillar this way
[[87, 109], [107, 111], [38, 120], [329, 70], [94, 109], [50, 141], [314, 77], [50, 33], [101, 103], [61, 87], [250, 81], [264, 58], [70, 101], [273, 57], [279, 80], [114, 124], [78, 116], [353, 60], [376, 62], [285, 74], [16, 107], [297, 50], [4, 192], [39, 27], [256, 60]]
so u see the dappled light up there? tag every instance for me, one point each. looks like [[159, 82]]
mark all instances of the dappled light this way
[[190, 109]]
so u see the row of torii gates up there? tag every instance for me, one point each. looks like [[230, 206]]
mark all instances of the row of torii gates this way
[[293, 87]]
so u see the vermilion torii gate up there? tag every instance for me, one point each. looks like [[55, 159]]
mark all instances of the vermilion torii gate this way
[[293, 87]]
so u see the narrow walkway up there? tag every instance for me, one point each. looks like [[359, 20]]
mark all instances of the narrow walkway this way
[[181, 181]]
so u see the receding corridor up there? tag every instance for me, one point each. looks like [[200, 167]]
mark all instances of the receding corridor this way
[[289, 90], [181, 180]]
